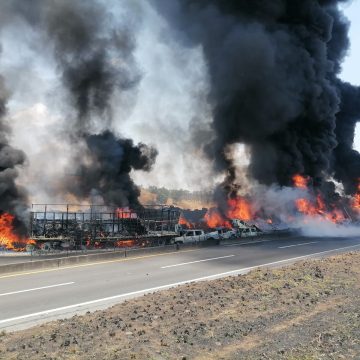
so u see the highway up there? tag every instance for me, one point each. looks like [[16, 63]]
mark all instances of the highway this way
[[30, 298]]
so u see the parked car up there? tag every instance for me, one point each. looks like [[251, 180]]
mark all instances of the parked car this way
[[221, 233], [190, 236], [248, 232]]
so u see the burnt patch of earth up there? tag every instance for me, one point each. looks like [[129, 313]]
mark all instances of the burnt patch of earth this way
[[309, 310]]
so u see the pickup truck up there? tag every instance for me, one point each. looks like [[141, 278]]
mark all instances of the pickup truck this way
[[221, 233], [190, 236], [249, 232]]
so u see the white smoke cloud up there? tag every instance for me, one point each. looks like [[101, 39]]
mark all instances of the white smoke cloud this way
[[319, 227], [171, 111]]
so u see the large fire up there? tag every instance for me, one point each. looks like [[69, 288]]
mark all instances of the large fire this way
[[310, 204], [125, 213], [356, 199], [300, 181], [184, 222], [8, 239], [316, 207], [237, 208]]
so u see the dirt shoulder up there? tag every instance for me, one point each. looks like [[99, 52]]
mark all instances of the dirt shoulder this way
[[309, 310]]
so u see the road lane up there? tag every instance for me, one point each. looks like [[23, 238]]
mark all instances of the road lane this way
[[197, 261], [301, 244], [115, 281], [36, 289]]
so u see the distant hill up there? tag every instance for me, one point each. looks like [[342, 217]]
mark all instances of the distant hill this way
[[184, 199]]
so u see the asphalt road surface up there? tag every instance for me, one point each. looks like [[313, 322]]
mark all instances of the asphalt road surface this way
[[39, 296]]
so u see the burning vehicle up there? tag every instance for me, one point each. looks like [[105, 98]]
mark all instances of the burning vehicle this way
[[190, 236], [97, 226]]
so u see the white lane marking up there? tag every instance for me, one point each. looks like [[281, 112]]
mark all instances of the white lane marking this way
[[38, 288], [288, 246], [162, 287], [197, 261], [249, 242]]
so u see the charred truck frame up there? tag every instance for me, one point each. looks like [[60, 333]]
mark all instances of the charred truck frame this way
[[80, 226]]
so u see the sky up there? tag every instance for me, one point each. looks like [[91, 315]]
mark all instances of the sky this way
[[167, 107], [351, 68]]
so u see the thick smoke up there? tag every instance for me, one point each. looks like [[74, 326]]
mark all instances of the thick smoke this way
[[347, 160], [96, 60], [13, 198], [94, 54], [110, 162], [272, 66]]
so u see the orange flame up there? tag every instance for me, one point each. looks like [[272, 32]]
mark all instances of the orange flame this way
[[8, 239], [238, 208], [319, 209], [125, 243], [125, 213], [300, 181], [214, 219], [356, 199], [184, 222]]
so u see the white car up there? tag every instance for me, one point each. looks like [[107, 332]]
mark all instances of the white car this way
[[190, 236], [248, 232], [221, 233]]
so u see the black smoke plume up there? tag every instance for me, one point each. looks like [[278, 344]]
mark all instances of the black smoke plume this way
[[95, 58], [273, 67], [346, 159], [94, 53], [107, 172], [13, 199]]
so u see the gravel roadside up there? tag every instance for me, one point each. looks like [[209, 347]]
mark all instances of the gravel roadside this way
[[309, 310]]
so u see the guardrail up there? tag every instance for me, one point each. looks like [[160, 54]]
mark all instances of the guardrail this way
[[92, 258], [69, 259]]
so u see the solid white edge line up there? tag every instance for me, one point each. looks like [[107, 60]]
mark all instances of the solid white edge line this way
[[38, 288], [196, 261], [232, 272], [307, 243]]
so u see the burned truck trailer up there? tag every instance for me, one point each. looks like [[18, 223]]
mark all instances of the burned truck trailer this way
[[72, 225]]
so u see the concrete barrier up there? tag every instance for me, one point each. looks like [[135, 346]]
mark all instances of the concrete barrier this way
[[89, 258], [123, 253]]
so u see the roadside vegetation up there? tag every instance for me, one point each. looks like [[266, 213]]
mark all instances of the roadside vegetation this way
[[310, 310]]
